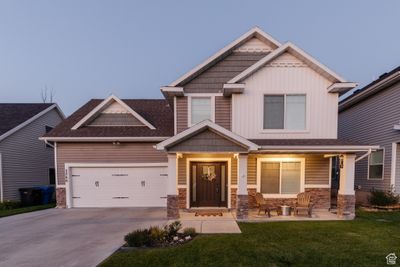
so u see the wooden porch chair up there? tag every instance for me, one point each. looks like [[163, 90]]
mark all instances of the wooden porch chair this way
[[303, 203], [263, 205]]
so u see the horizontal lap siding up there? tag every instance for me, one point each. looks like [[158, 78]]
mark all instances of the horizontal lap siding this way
[[105, 153], [223, 111], [397, 173], [316, 168], [25, 158], [181, 114], [182, 167], [371, 121]]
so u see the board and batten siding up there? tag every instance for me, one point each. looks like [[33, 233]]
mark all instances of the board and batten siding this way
[[316, 168], [371, 121], [105, 153], [26, 159], [182, 165], [281, 78]]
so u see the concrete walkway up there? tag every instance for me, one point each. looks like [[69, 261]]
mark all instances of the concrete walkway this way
[[71, 237], [225, 224]]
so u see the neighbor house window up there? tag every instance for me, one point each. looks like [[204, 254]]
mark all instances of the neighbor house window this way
[[280, 177], [52, 176], [285, 112], [375, 168], [200, 109]]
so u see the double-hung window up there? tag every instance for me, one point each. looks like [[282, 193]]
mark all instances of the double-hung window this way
[[201, 109], [286, 112], [281, 176], [375, 165]]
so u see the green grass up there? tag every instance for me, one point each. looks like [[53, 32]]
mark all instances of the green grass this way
[[4, 213], [364, 241]]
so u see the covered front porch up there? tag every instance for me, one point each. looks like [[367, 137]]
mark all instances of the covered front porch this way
[[211, 168]]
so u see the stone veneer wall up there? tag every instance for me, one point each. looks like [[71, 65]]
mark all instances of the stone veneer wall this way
[[242, 209], [346, 205], [172, 206], [233, 198], [61, 198], [321, 197], [182, 197]]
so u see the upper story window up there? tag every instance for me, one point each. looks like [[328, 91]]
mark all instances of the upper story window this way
[[286, 112], [375, 165], [200, 109]]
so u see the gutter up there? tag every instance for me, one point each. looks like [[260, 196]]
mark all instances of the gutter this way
[[104, 139]]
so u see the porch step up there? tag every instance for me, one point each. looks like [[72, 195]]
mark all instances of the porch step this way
[[210, 210]]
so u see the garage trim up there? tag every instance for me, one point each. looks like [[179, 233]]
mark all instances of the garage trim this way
[[68, 167]]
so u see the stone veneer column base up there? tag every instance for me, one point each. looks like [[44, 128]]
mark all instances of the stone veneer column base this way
[[61, 198], [346, 205], [182, 194], [242, 210], [173, 206]]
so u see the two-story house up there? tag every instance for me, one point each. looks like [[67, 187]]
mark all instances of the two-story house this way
[[257, 116]]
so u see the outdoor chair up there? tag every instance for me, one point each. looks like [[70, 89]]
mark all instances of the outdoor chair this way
[[303, 203], [263, 205]]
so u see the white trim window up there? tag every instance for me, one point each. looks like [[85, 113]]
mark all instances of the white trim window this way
[[284, 112], [280, 177], [201, 108], [375, 165]]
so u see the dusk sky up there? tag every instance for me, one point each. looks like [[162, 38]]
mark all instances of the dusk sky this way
[[90, 49]]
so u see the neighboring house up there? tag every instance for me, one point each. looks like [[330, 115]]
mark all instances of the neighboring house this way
[[372, 115], [26, 161], [256, 116]]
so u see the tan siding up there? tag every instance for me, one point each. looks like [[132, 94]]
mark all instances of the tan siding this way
[[316, 168], [207, 141], [105, 153], [181, 114], [182, 166], [223, 111]]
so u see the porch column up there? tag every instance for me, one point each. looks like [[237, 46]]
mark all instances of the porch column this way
[[346, 196], [172, 191], [242, 204]]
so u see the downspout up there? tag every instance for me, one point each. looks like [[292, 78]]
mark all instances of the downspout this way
[[363, 156], [47, 143]]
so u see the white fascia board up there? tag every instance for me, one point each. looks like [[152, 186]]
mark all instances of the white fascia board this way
[[25, 123], [319, 148], [341, 87], [239, 40], [105, 102], [175, 91], [211, 125], [274, 54], [104, 139]]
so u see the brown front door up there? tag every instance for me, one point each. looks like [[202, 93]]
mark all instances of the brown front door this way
[[208, 184]]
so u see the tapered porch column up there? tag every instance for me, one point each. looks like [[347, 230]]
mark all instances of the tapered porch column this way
[[346, 196], [242, 206], [172, 191]]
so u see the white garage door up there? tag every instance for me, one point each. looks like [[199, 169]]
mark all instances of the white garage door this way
[[118, 187]]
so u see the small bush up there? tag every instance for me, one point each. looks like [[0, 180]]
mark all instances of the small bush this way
[[190, 231], [10, 205], [172, 229], [382, 198], [157, 235], [138, 238]]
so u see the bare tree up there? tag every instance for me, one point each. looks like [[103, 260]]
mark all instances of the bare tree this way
[[47, 95]]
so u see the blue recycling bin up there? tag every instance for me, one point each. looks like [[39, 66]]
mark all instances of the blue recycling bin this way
[[47, 193]]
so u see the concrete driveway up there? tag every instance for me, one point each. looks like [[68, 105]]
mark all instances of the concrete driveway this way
[[71, 237]]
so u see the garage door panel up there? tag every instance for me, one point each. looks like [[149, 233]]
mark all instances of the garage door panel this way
[[119, 187]]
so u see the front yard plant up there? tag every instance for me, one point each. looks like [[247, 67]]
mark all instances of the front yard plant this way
[[383, 198], [160, 237]]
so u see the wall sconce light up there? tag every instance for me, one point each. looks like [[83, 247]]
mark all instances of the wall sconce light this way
[[116, 143], [341, 159]]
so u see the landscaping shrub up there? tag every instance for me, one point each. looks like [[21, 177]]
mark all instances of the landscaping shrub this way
[[138, 238], [10, 205], [172, 229], [157, 235], [190, 231], [382, 198]]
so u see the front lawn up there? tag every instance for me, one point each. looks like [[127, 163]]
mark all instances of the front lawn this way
[[4, 213], [363, 242]]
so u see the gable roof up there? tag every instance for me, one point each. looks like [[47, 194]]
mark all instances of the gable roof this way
[[201, 126], [14, 116], [383, 82], [155, 111], [254, 32], [297, 52], [94, 112]]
